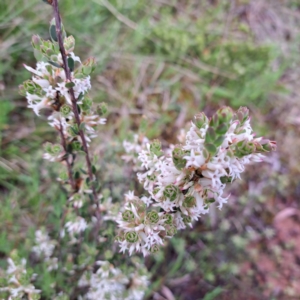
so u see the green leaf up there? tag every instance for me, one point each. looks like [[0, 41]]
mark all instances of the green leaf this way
[[70, 85], [80, 97], [94, 170], [83, 171], [210, 135], [218, 142], [81, 126], [71, 64], [211, 148], [54, 64], [222, 129], [53, 33]]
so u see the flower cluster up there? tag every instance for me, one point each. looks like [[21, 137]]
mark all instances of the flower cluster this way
[[44, 249], [109, 282], [49, 90], [17, 282], [186, 179]]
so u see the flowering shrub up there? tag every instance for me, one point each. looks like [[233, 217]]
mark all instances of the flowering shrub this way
[[181, 182], [184, 180]]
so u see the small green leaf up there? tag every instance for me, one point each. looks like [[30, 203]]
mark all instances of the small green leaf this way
[[211, 148], [80, 97], [81, 126], [53, 33], [70, 85], [83, 171], [210, 135], [218, 142], [54, 64], [71, 64], [94, 170]]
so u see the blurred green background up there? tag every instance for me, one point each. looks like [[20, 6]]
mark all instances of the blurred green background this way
[[160, 62]]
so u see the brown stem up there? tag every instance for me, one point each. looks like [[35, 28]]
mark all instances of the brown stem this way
[[73, 99], [69, 167]]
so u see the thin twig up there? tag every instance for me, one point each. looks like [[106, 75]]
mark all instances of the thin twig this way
[[69, 167], [73, 99]]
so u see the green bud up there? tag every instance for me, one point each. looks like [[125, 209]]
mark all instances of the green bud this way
[[88, 67], [69, 44], [86, 104], [73, 130], [168, 219], [189, 202], [171, 231], [242, 114], [154, 249], [102, 109], [186, 219], [153, 217], [225, 114], [63, 176], [131, 237], [200, 120], [155, 148], [76, 146], [47, 147], [36, 42], [65, 110], [171, 192], [56, 149], [30, 87], [177, 157], [128, 215]]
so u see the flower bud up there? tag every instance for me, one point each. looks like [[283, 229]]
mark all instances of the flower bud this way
[[154, 249], [177, 156], [56, 149], [88, 66], [102, 109], [168, 219], [30, 87], [200, 120], [131, 237], [189, 202], [155, 148], [171, 230], [225, 114], [186, 219], [171, 192], [242, 114], [65, 110], [153, 217], [76, 146], [128, 215], [69, 44], [36, 42]]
